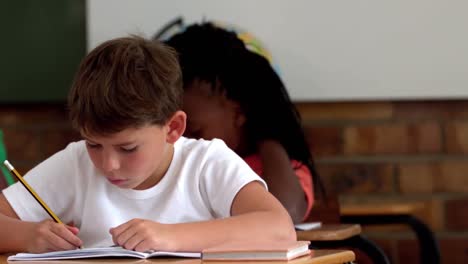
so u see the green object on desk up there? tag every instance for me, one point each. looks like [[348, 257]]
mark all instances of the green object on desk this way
[[6, 173]]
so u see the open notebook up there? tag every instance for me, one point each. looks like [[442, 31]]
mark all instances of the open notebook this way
[[100, 253]]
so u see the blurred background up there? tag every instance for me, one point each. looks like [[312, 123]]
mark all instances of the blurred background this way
[[381, 87]]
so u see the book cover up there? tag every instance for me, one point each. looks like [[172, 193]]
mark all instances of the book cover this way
[[258, 251], [99, 253]]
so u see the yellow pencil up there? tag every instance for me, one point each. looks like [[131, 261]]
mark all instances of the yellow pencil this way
[[32, 192]]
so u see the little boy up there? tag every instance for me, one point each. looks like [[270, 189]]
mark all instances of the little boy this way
[[134, 180]]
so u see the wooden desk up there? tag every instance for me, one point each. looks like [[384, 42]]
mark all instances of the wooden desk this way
[[343, 236], [317, 257], [395, 213], [330, 232]]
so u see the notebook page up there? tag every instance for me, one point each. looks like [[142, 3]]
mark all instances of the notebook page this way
[[96, 253]]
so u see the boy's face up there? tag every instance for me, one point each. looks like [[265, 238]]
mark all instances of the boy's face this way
[[212, 115], [135, 158]]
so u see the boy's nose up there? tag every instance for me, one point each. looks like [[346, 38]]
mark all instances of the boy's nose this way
[[110, 162]]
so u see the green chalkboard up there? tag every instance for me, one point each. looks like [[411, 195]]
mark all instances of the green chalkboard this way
[[42, 43]]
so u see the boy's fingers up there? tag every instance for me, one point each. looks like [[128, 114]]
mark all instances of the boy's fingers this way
[[119, 229], [73, 229], [120, 237], [56, 242], [71, 226], [114, 233], [132, 242], [124, 231], [67, 235], [143, 246]]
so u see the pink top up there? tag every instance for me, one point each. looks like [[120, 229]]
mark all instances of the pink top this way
[[302, 172]]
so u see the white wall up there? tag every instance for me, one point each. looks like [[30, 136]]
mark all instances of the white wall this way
[[327, 49]]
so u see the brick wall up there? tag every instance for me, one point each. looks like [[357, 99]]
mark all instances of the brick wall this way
[[34, 132], [365, 151], [398, 151]]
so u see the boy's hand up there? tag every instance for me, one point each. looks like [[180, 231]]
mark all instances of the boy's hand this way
[[50, 236], [142, 235]]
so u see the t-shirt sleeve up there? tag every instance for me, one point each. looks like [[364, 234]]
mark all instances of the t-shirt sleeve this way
[[53, 181], [223, 174]]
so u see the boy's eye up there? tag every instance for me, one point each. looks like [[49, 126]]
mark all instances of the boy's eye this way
[[129, 149], [91, 145]]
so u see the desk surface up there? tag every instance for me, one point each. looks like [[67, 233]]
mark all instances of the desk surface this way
[[317, 257], [330, 232]]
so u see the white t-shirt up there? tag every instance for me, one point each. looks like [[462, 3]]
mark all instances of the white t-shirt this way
[[200, 184]]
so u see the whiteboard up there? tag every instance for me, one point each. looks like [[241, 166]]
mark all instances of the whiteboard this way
[[326, 50]]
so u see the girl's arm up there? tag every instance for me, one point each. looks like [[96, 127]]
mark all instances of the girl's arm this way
[[256, 216], [281, 179]]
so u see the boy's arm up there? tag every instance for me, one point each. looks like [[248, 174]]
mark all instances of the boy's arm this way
[[256, 215], [281, 179], [22, 236], [10, 227], [5, 208]]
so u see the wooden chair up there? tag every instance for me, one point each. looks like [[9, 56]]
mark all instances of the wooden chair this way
[[334, 234]]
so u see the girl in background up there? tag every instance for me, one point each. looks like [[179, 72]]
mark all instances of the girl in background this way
[[234, 94]]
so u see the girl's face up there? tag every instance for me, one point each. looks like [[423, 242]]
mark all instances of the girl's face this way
[[135, 158], [211, 115]]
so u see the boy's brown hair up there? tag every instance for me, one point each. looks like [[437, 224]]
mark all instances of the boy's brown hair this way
[[125, 83]]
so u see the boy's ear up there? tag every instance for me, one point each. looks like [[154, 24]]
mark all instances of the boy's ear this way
[[176, 126]]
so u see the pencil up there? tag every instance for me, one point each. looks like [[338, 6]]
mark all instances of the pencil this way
[[32, 192]]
